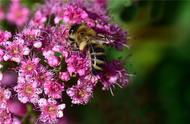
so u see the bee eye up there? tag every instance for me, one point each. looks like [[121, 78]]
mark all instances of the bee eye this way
[[73, 28], [82, 33], [71, 31]]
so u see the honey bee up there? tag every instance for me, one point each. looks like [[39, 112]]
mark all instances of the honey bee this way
[[85, 38]]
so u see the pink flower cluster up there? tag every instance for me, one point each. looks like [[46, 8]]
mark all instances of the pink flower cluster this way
[[17, 14], [47, 66]]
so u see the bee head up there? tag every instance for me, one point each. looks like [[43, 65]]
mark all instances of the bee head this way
[[74, 28]]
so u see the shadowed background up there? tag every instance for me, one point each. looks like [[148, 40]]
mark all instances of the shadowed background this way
[[159, 59]]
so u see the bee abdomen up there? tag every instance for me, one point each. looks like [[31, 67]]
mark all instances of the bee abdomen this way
[[98, 58]]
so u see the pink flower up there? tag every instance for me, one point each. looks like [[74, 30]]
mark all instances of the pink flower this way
[[114, 74], [9, 78], [5, 94], [30, 35], [1, 54], [28, 92], [43, 75], [53, 89], [78, 64], [29, 66], [90, 80], [50, 110], [17, 108], [2, 14], [64, 76], [61, 49], [15, 50], [102, 3], [72, 14], [18, 14], [52, 60], [4, 36], [5, 117], [39, 19], [80, 94]]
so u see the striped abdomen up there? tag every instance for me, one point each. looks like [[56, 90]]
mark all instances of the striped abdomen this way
[[97, 54]]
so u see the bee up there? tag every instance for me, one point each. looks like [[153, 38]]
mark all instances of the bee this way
[[84, 38]]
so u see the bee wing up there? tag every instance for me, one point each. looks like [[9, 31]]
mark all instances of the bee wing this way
[[100, 39]]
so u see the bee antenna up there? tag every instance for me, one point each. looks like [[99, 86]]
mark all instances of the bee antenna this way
[[111, 91]]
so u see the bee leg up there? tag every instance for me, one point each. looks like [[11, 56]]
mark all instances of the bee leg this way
[[82, 45], [97, 67]]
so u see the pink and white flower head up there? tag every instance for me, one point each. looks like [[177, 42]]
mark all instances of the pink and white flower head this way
[[53, 89], [8, 78], [90, 80], [30, 35], [65, 76], [29, 66], [80, 93], [42, 75], [1, 54], [5, 116], [78, 64], [50, 110], [114, 74], [5, 95], [18, 14], [15, 50], [52, 60], [2, 14], [72, 14], [39, 19], [28, 92], [62, 49], [4, 36]]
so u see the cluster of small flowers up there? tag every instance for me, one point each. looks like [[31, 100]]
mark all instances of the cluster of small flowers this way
[[16, 14], [47, 64]]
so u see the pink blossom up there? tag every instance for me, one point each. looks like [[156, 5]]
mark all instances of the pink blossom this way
[[53, 89], [114, 74], [1, 54], [17, 108], [51, 58], [80, 94], [102, 3], [39, 19], [5, 94], [28, 92], [29, 66], [90, 80], [5, 117], [9, 78], [43, 75], [30, 35], [61, 49], [4, 36], [78, 64], [72, 14], [15, 50], [50, 110], [18, 14], [64, 76]]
